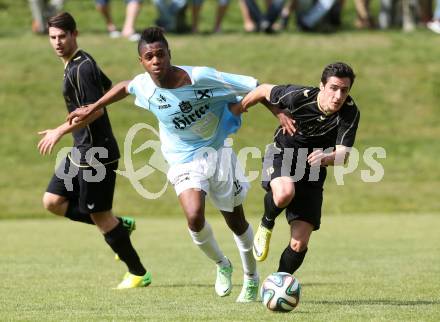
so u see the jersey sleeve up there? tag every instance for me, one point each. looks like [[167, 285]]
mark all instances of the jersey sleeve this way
[[348, 124], [234, 83], [105, 81], [141, 90], [286, 96]]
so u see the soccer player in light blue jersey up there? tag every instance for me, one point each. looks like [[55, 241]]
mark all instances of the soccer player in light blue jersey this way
[[196, 110]]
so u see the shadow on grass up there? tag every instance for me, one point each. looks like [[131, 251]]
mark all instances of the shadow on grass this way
[[375, 302], [234, 284], [312, 284], [188, 285]]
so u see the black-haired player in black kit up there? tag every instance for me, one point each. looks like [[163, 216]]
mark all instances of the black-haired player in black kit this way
[[82, 188], [294, 168]]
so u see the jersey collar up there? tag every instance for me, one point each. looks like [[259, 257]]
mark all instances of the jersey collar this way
[[67, 61]]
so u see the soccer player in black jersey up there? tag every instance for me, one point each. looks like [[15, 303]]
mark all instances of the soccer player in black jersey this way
[[82, 187], [294, 166]]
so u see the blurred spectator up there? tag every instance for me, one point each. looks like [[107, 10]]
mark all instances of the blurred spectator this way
[[172, 15], [434, 25], [387, 13], [364, 19], [41, 11], [248, 23], [221, 10], [425, 11], [398, 13], [286, 12], [318, 15], [131, 12], [255, 20], [409, 14]]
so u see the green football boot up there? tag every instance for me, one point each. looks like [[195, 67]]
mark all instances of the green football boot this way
[[133, 281]]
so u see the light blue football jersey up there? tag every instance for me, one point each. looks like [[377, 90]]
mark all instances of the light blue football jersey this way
[[193, 116]]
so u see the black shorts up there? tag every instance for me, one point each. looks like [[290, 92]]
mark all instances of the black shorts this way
[[307, 203], [92, 187]]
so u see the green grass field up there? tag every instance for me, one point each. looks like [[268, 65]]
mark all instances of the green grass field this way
[[363, 268], [376, 257]]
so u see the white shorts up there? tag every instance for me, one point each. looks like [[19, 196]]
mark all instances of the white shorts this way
[[219, 175]]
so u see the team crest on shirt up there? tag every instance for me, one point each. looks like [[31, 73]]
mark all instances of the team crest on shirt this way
[[185, 106], [203, 93]]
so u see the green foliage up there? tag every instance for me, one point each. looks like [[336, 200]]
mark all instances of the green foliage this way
[[377, 269], [396, 89]]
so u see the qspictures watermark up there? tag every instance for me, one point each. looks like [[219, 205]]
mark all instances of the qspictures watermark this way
[[96, 170]]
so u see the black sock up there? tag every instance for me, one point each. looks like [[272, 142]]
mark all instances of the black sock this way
[[119, 240], [271, 211], [290, 260], [73, 213]]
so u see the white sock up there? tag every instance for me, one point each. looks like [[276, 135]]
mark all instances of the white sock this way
[[207, 244], [244, 244]]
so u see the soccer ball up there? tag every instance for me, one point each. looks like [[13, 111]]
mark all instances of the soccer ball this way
[[280, 292]]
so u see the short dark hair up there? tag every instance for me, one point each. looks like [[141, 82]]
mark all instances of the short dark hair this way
[[151, 35], [338, 69], [63, 21]]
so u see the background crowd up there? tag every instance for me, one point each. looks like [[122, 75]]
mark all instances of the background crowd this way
[[269, 16]]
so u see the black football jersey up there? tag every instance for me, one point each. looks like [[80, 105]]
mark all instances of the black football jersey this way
[[85, 83], [315, 129]]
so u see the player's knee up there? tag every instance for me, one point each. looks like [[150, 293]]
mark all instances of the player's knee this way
[[51, 203], [283, 197], [196, 220], [298, 245], [239, 227]]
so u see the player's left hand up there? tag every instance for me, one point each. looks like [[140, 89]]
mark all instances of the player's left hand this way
[[315, 159], [49, 140]]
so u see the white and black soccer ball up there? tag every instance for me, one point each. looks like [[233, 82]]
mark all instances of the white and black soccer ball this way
[[280, 292]]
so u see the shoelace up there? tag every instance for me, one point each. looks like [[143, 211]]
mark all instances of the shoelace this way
[[225, 272], [251, 287]]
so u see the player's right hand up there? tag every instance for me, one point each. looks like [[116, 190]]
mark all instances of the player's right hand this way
[[48, 141], [287, 122]]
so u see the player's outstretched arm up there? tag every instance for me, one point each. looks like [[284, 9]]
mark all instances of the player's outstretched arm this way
[[52, 136], [258, 95], [116, 93], [261, 94]]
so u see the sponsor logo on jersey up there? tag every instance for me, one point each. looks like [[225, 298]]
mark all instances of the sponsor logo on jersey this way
[[184, 120], [164, 106], [238, 188], [182, 178], [161, 99]]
